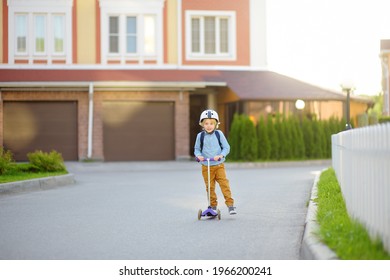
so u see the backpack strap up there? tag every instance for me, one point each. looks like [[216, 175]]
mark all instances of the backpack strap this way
[[202, 139]]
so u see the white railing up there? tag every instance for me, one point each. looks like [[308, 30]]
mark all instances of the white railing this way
[[361, 160]]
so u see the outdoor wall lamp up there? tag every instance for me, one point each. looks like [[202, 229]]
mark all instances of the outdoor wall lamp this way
[[300, 104]]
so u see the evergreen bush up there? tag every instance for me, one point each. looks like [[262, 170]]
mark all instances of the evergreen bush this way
[[6, 161], [46, 162]]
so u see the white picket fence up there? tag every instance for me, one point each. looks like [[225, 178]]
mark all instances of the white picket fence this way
[[361, 160]]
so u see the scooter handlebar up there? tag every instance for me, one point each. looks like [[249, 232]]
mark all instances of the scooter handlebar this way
[[207, 159]]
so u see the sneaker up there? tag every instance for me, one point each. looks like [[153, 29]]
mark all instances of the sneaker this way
[[232, 210]]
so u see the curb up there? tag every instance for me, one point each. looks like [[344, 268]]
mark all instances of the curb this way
[[312, 248], [45, 183]]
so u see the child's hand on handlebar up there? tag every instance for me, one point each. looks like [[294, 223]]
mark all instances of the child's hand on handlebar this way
[[218, 158], [200, 158]]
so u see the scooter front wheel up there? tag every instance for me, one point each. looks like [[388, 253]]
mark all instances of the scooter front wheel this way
[[219, 214], [199, 214]]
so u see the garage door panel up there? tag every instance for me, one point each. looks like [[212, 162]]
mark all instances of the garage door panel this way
[[46, 126], [138, 130]]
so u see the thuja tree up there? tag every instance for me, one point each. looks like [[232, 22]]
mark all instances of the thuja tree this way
[[263, 142], [248, 141], [234, 137]]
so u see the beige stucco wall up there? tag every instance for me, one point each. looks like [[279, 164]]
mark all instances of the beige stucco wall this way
[[172, 51], [331, 109], [86, 32]]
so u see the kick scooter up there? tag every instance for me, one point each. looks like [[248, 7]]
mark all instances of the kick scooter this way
[[209, 212]]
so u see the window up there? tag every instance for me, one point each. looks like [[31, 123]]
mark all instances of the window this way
[[113, 34], [59, 34], [21, 34], [40, 34], [131, 35], [40, 31], [210, 35], [149, 34], [133, 31]]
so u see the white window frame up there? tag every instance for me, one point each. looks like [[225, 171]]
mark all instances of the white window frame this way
[[202, 55], [49, 9], [131, 8]]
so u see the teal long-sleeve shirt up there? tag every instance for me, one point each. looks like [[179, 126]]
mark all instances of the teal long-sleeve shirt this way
[[211, 147]]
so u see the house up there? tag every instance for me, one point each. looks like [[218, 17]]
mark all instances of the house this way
[[121, 80]]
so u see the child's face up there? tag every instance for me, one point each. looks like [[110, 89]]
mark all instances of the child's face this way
[[209, 125]]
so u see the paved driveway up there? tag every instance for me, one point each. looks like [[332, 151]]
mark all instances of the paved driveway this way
[[148, 210]]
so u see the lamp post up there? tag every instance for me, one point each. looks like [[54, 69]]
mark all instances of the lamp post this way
[[348, 88]]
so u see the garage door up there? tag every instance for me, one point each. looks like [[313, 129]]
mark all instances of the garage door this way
[[138, 130], [41, 125]]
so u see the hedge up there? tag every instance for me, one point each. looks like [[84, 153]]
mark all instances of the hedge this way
[[282, 138]]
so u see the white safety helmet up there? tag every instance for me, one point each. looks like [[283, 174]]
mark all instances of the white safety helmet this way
[[209, 114]]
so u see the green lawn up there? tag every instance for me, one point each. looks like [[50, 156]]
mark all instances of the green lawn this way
[[345, 236], [22, 171], [21, 176]]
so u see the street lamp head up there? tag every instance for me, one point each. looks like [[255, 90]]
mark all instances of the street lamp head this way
[[347, 86]]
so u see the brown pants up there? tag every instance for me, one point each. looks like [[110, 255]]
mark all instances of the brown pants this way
[[217, 174]]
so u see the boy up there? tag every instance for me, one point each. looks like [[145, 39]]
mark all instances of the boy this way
[[211, 143]]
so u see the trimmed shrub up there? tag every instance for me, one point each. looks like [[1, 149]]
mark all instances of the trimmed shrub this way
[[384, 119], [6, 161], [46, 162]]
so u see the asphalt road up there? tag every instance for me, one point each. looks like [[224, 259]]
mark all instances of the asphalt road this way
[[148, 210]]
